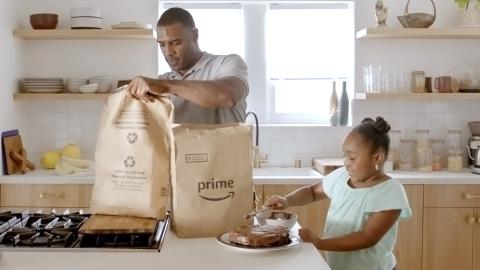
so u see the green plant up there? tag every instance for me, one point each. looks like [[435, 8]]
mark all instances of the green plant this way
[[464, 3]]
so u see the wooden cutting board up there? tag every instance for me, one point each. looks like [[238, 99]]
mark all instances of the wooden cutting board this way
[[16, 155], [107, 224], [327, 165]]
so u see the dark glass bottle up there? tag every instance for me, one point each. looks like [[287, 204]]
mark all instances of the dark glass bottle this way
[[344, 105]]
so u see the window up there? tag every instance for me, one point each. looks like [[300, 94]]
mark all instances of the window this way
[[293, 52]]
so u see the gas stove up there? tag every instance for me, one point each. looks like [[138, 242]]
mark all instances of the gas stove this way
[[60, 232]]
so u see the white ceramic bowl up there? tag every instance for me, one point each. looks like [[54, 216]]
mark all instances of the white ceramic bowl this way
[[104, 83], [84, 12], [74, 84], [277, 218], [89, 88], [86, 22]]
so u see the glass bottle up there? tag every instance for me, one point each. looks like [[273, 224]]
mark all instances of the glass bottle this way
[[344, 104], [407, 158], [438, 149], [334, 112], [454, 150]]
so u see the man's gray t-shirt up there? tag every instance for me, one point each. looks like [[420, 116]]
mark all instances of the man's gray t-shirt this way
[[211, 67]]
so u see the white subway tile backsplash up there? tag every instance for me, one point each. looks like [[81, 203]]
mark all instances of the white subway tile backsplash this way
[[60, 119], [74, 118], [74, 133], [43, 120], [61, 134], [49, 127]]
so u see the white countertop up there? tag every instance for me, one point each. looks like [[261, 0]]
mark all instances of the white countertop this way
[[199, 253], [264, 176]]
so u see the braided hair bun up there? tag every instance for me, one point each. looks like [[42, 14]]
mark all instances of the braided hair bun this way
[[375, 132]]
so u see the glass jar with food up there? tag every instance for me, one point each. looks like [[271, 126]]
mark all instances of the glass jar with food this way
[[423, 138], [424, 159], [438, 150], [407, 155], [394, 148], [454, 150]]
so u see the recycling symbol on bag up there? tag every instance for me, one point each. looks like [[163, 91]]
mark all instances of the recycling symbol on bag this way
[[132, 137], [129, 162]]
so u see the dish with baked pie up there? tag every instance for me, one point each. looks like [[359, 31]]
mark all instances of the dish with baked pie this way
[[259, 238]]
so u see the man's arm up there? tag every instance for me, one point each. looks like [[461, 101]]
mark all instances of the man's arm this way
[[221, 93]]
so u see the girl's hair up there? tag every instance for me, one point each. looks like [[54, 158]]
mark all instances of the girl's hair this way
[[375, 133]]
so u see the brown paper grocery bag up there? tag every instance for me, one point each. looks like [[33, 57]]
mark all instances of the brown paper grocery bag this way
[[213, 187], [134, 157]]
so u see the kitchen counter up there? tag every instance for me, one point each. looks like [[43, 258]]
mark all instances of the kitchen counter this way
[[198, 253], [265, 176]]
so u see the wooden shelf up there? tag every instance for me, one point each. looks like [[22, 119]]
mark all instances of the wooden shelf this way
[[418, 33], [31, 34], [418, 96], [59, 96]]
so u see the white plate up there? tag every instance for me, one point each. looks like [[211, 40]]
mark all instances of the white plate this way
[[131, 25], [223, 239]]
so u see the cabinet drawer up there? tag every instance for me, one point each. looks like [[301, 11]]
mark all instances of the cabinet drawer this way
[[452, 196], [45, 195]]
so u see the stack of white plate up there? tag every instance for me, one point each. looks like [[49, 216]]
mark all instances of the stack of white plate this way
[[43, 85], [85, 18]]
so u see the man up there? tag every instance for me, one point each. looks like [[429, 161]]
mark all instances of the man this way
[[204, 88]]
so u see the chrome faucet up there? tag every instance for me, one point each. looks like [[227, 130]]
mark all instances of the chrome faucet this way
[[256, 160]]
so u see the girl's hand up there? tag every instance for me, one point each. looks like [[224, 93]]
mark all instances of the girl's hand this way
[[277, 202], [308, 236]]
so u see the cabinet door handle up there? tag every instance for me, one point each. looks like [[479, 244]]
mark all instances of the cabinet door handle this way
[[59, 195], [469, 196], [471, 220]]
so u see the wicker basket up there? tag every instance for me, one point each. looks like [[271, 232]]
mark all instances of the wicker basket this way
[[417, 20]]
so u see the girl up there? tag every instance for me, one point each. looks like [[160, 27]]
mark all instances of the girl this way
[[366, 204]]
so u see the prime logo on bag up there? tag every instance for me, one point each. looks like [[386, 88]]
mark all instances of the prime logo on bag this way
[[215, 185]]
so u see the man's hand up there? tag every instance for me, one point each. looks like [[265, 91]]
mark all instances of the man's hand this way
[[145, 89], [308, 236]]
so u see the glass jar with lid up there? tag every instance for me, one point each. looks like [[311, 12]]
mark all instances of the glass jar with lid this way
[[424, 159], [388, 164], [438, 150], [423, 138], [407, 155], [454, 150], [394, 148]]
